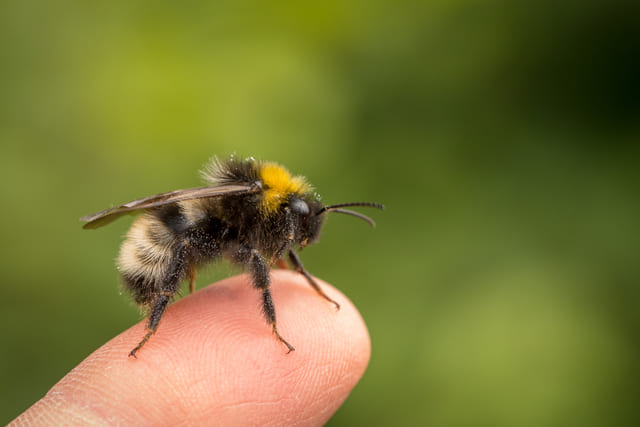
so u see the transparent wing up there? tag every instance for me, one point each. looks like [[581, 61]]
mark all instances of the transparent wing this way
[[108, 215]]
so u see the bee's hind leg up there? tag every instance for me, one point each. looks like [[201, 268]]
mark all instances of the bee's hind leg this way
[[154, 320], [169, 286], [192, 279], [295, 260]]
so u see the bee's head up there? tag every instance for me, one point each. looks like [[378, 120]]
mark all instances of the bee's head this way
[[282, 190], [308, 222], [311, 215]]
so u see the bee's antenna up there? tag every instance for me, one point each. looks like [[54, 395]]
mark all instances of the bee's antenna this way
[[336, 208], [344, 205]]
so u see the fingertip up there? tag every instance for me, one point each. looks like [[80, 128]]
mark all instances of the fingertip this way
[[215, 356]]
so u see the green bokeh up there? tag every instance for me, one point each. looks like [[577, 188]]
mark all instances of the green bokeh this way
[[502, 285]]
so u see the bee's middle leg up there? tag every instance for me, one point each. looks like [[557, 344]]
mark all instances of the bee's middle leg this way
[[260, 274]]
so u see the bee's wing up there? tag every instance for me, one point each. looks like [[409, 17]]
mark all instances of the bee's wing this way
[[108, 215]]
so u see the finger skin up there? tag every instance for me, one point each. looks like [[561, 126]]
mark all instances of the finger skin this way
[[214, 361]]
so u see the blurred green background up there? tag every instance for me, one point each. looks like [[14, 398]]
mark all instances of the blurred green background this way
[[501, 286]]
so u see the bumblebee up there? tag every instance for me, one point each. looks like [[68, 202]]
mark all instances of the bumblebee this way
[[252, 213]]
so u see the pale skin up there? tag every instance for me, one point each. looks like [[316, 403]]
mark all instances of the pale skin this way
[[215, 361]]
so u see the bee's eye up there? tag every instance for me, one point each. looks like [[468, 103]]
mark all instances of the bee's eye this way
[[299, 206]]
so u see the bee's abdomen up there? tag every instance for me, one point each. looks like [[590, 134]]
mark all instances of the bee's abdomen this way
[[146, 257]]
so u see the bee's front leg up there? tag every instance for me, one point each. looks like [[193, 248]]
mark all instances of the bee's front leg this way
[[289, 228], [295, 260]]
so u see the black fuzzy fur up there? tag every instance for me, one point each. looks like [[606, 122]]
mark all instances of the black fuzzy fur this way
[[233, 227]]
